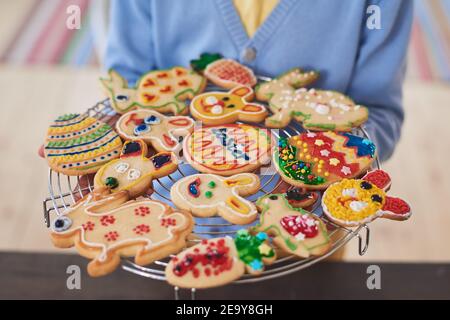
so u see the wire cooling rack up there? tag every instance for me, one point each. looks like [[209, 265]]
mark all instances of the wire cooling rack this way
[[66, 190]]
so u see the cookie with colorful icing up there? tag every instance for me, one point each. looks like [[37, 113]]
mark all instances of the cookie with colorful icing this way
[[206, 195], [219, 261], [199, 65], [161, 90], [316, 160], [295, 230], [319, 110], [104, 227], [228, 149], [352, 202], [77, 144], [215, 108], [160, 131], [228, 74], [133, 171]]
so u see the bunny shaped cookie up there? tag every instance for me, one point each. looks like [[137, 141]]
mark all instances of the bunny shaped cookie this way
[[133, 171], [215, 108], [206, 195], [161, 90]]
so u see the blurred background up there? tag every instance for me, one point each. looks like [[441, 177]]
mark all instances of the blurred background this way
[[47, 70]]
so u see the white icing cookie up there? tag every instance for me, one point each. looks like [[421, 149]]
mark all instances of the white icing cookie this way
[[105, 227], [206, 195], [157, 130], [133, 171]]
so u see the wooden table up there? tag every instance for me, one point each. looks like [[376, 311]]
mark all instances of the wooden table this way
[[43, 276]]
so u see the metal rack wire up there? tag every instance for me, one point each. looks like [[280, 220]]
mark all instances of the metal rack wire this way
[[65, 190]]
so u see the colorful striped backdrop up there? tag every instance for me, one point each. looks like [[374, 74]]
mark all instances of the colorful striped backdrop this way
[[39, 38]]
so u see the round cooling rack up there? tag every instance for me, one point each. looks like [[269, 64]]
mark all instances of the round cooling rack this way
[[66, 190]]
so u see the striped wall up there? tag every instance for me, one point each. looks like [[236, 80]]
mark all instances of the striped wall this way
[[40, 39]]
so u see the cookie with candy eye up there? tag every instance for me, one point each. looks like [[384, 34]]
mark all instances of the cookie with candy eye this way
[[352, 202], [105, 227], [206, 195], [228, 149], [294, 230], [133, 171], [219, 261], [165, 91], [160, 131], [77, 144], [215, 108], [316, 160], [318, 110]]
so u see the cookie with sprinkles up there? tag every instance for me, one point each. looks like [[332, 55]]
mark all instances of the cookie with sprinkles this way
[[316, 160], [294, 230], [352, 202], [77, 144], [219, 261], [318, 110]]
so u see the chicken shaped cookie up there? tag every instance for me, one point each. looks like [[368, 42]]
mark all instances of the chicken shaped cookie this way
[[161, 90], [156, 129], [352, 202], [219, 261], [105, 227], [295, 230], [133, 171], [318, 110], [206, 195], [215, 108]]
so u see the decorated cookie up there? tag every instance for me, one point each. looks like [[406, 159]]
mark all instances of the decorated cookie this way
[[157, 130], [228, 149], [295, 230], [199, 65], [161, 90], [215, 108], [352, 202], [78, 144], [319, 110], [316, 160], [219, 261], [104, 227], [301, 198], [206, 195], [227, 73], [133, 171]]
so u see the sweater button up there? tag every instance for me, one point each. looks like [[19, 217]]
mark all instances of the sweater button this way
[[249, 54]]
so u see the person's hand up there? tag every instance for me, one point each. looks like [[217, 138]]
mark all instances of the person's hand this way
[[41, 151]]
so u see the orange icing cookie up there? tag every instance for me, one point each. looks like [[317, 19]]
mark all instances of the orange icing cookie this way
[[353, 202], [228, 149], [228, 73], [161, 90], [215, 108]]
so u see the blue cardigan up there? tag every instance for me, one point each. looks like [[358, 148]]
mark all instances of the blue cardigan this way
[[329, 36]]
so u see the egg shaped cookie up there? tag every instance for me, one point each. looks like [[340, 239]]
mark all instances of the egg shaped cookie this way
[[77, 144], [228, 149], [316, 160]]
